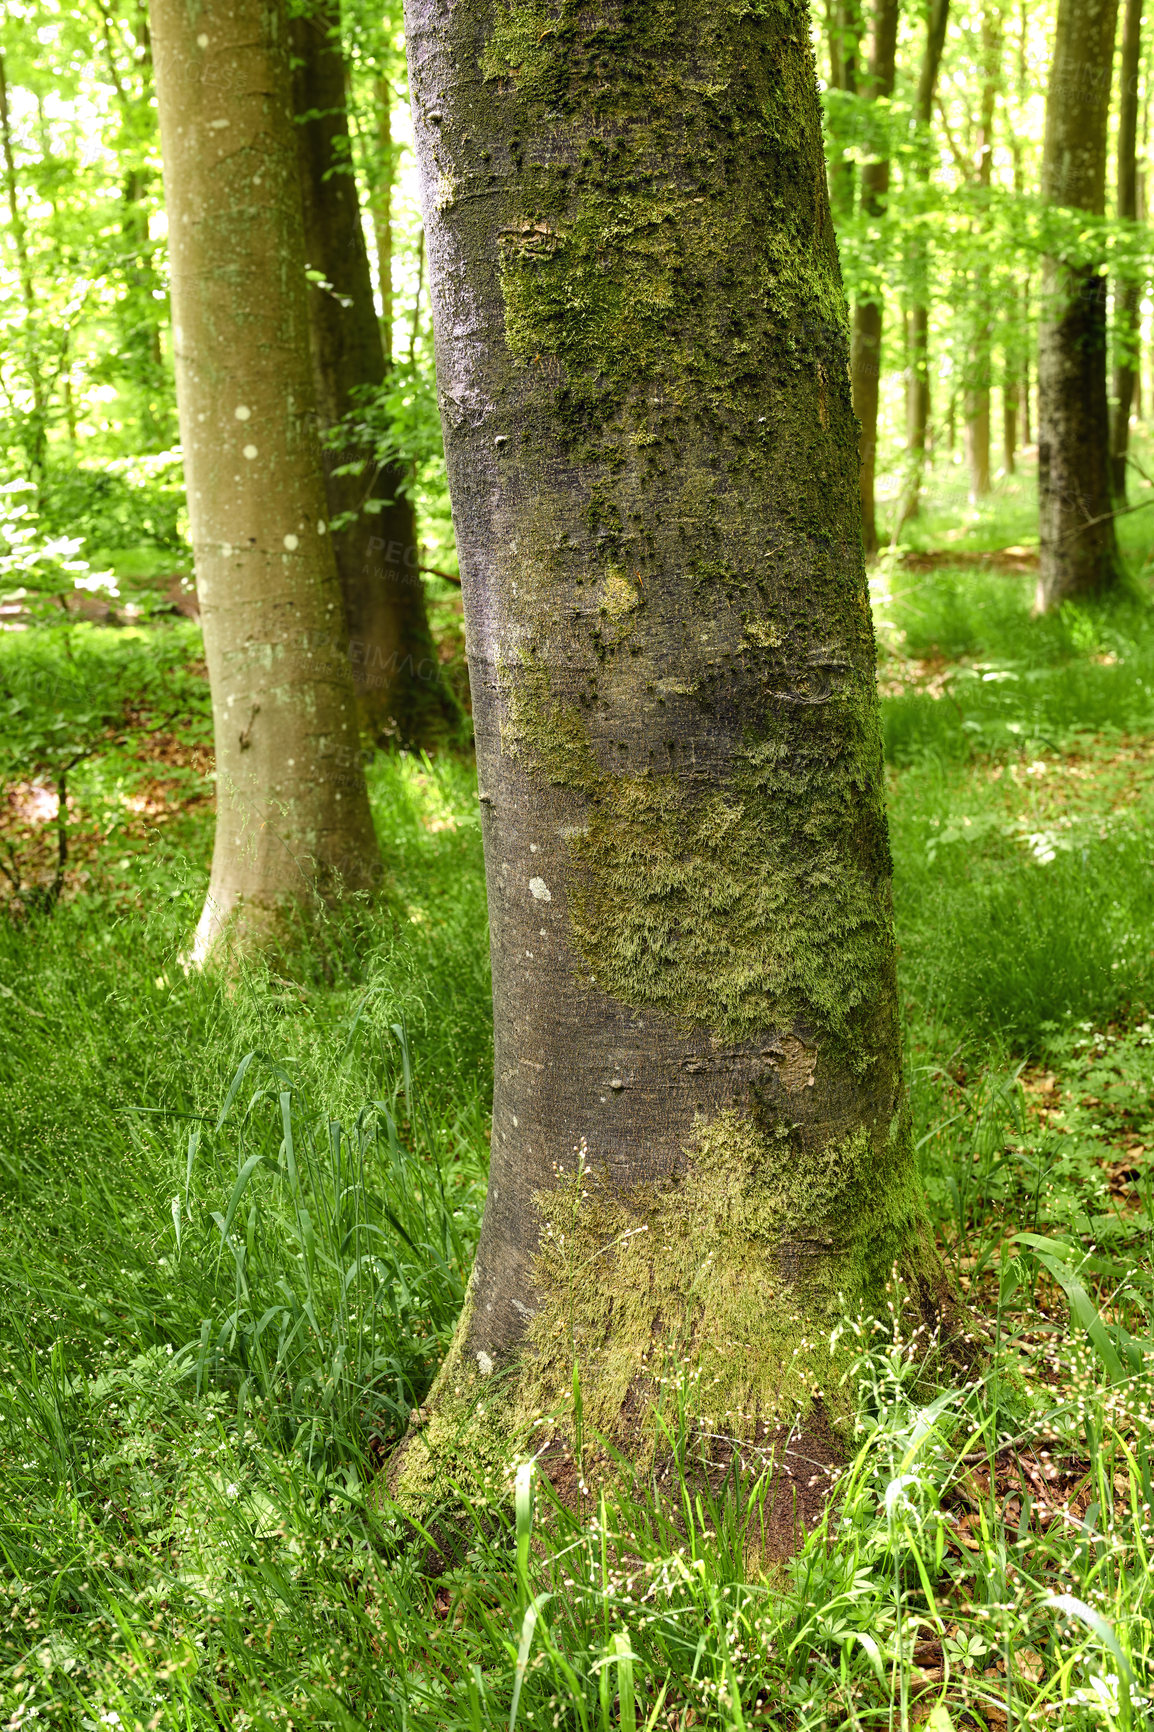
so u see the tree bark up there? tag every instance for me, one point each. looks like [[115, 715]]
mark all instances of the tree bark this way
[[400, 691], [700, 1143], [866, 352], [1079, 548], [293, 818], [1129, 288]]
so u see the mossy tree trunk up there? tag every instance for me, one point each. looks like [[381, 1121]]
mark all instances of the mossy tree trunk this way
[[400, 691], [866, 355], [1079, 548], [1128, 289], [293, 816], [700, 1144]]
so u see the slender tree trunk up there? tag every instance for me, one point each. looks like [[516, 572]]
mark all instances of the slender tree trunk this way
[[845, 31], [1011, 408], [866, 350], [978, 436], [400, 691], [918, 391], [1128, 289], [700, 1146], [292, 808], [1138, 409], [978, 390], [139, 312], [1027, 425], [34, 433], [1079, 548], [383, 210]]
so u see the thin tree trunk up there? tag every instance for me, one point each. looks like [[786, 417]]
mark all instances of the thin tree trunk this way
[[978, 390], [918, 391], [700, 1146], [1011, 409], [1079, 548], [977, 439], [383, 210], [866, 349], [400, 690], [1128, 289], [139, 312], [34, 434], [845, 32], [293, 816], [1027, 426]]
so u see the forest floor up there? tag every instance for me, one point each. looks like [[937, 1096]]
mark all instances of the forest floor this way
[[236, 1224]]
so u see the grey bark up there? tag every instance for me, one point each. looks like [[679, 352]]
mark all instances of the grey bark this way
[[1128, 289], [866, 351], [400, 691], [1079, 549], [641, 355], [293, 819]]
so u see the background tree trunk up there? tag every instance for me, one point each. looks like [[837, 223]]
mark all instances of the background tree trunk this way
[[866, 353], [382, 206], [978, 389], [978, 433], [1128, 289], [1011, 409], [699, 1134], [397, 676], [918, 388], [34, 432], [844, 22], [293, 814], [1079, 549]]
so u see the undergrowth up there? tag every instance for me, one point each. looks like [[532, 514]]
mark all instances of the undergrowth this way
[[236, 1224]]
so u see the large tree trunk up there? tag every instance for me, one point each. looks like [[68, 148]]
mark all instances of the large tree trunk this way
[[701, 1150], [1128, 290], [400, 691], [1079, 549], [293, 816], [866, 353]]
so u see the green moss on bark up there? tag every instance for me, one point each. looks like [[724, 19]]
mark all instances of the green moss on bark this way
[[746, 909], [466, 1437], [720, 1291], [714, 1301]]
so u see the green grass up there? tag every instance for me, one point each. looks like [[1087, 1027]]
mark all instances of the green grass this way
[[235, 1227]]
